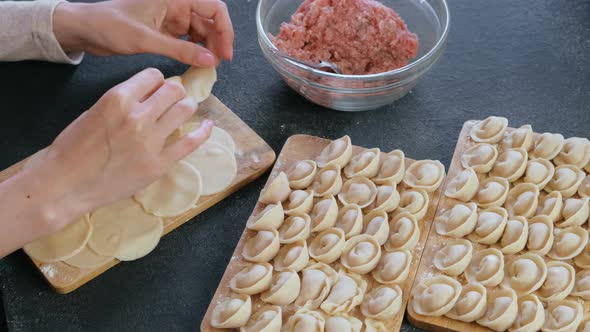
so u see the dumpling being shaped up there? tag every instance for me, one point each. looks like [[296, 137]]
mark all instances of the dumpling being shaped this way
[[267, 319], [493, 191], [299, 202], [346, 294], [522, 200], [547, 146], [457, 221], [525, 273], [392, 168], [343, 323], [295, 228], [501, 311], [316, 282], [575, 151], [284, 288], [350, 220], [564, 315], [489, 130], [252, 279], [471, 305], [338, 152], [575, 212], [404, 232], [566, 180], [490, 225], [376, 224], [486, 267], [301, 174], [481, 157], [550, 206], [387, 199], [361, 254], [540, 235], [568, 242], [531, 314], [453, 258], [414, 202], [515, 235], [539, 172], [435, 296], [510, 164], [327, 182], [393, 268], [360, 191], [327, 246], [278, 190], [305, 320], [425, 174], [365, 164], [582, 285], [518, 138], [263, 247], [294, 257], [382, 302], [232, 312], [324, 214], [463, 186], [559, 282]]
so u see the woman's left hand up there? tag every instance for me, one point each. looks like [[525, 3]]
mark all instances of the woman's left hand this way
[[148, 26]]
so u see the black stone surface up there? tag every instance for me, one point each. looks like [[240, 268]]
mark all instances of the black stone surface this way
[[526, 60]]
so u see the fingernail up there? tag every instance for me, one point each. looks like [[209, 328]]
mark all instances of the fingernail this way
[[209, 123], [206, 59]]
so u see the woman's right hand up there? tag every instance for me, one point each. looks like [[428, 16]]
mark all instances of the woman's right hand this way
[[119, 145]]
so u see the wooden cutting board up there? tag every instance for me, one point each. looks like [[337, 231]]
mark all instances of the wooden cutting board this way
[[302, 147], [253, 155]]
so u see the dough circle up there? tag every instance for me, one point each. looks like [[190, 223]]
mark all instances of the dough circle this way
[[216, 164], [124, 230], [62, 244], [87, 259]]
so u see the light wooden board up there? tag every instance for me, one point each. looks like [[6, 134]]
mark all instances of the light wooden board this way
[[436, 241], [253, 156], [301, 147]]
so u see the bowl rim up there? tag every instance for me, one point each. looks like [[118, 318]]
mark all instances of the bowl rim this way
[[439, 44]]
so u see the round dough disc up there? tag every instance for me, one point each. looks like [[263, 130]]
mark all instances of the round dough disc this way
[[175, 193], [63, 244], [218, 135], [216, 164], [198, 82], [124, 230], [87, 258]]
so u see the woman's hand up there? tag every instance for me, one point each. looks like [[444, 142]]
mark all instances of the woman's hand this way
[[148, 26]]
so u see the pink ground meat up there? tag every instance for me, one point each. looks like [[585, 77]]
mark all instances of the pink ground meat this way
[[360, 36]]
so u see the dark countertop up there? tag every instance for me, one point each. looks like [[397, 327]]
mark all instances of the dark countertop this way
[[525, 60]]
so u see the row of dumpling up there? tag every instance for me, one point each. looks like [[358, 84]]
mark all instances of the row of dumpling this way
[[499, 309]]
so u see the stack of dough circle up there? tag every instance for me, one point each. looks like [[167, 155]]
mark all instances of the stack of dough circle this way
[[216, 165]]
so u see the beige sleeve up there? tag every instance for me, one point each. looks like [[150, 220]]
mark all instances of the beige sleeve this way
[[26, 32]]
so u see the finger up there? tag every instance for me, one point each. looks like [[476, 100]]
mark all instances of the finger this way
[[188, 143], [216, 11], [143, 84], [166, 96], [176, 116], [178, 49], [202, 30]]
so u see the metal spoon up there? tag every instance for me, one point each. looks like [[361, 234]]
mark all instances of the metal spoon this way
[[321, 65]]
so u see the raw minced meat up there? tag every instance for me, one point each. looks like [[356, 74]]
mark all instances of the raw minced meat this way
[[360, 36]]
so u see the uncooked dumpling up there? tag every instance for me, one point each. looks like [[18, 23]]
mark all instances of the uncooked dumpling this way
[[540, 235], [364, 164], [583, 259], [316, 282], [198, 82], [493, 191], [376, 224], [568, 242], [518, 138], [278, 190], [302, 173], [62, 244], [575, 151], [350, 220], [559, 282], [343, 323], [295, 228], [435, 296], [360, 191], [232, 312], [124, 230], [522, 200], [294, 256], [457, 221], [374, 325], [547, 146], [87, 259], [463, 186], [582, 285], [218, 135], [338, 152], [393, 268], [347, 293], [217, 166], [284, 288], [481, 157], [266, 319], [324, 214], [539, 172], [550, 206], [525, 273], [270, 218], [454, 257], [515, 235], [361, 254], [392, 168], [575, 212], [490, 225], [387, 199], [305, 320], [425, 174], [486, 267], [404, 232], [327, 182], [327, 246], [382, 303], [414, 202], [490, 130], [252, 279], [510, 164], [471, 305], [173, 194], [531, 314], [262, 247], [566, 180], [584, 188], [502, 310], [299, 202], [564, 315]]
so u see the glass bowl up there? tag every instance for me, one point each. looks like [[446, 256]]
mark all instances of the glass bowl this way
[[429, 19]]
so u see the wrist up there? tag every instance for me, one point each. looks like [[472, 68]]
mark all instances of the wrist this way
[[68, 23]]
